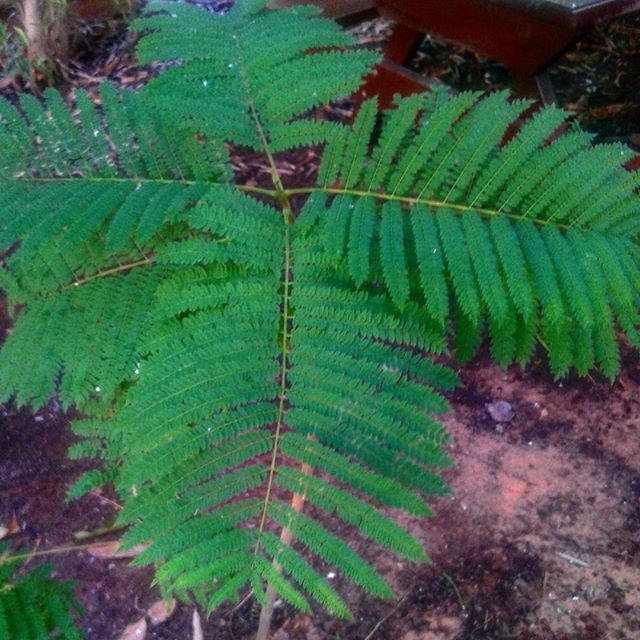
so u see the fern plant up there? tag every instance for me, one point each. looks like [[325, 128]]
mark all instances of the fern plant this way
[[237, 358], [35, 606]]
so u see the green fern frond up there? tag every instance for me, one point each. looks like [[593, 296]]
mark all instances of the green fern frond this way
[[392, 253], [197, 446], [84, 341], [227, 76], [361, 232], [34, 606], [498, 231], [241, 358]]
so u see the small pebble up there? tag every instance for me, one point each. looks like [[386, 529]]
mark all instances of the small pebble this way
[[500, 411]]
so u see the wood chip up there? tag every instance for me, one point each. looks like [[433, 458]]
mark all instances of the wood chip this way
[[135, 631], [110, 550], [197, 626], [572, 559], [161, 610]]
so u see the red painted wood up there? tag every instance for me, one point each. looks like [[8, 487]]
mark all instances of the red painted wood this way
[[520, 39], [402, 43], [389, 79], [89, 10], [633, 164], [526, 37]]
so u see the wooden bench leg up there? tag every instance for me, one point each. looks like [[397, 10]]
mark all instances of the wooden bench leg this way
[[388, 80], [401, 47], [402, 44], [534, 85], [390, 76]]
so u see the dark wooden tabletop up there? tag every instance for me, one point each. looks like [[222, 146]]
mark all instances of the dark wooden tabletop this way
[[571, 5], [574, 13]]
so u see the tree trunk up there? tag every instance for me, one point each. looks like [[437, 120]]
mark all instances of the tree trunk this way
[[32, 23]]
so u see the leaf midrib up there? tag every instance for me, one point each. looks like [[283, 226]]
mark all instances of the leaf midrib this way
[[280, 194]]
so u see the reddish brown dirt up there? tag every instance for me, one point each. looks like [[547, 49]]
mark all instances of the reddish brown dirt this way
[[542, 539]]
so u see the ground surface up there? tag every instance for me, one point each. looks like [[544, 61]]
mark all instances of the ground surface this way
[[542, 539]]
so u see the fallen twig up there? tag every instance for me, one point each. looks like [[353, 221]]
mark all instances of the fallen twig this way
[[572, 559], [389, 614]]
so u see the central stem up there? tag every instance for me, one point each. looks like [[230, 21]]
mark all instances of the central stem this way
[[281, 195], [297, 501], [282, 394], [266, 613]]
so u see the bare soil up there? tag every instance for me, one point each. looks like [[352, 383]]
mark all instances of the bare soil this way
[[541, 541]]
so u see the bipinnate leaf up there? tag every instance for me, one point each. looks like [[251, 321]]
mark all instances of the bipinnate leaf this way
[[239, 356]]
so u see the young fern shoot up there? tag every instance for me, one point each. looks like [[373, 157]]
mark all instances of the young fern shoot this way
[[236, 359]]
